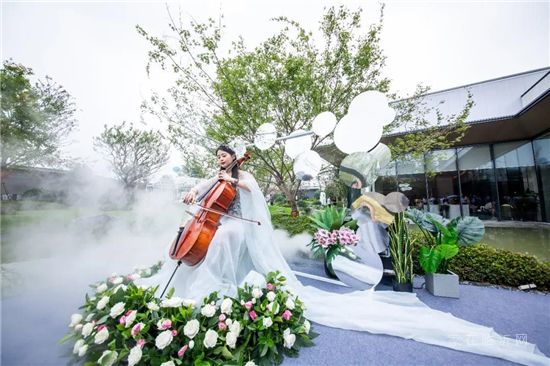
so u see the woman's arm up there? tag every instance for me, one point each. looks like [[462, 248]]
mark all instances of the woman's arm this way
[[240, 182]]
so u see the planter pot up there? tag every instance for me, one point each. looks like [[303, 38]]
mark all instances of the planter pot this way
[[402, 287], [328, 269], [442, 284]]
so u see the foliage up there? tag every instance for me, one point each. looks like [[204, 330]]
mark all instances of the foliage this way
[[443, 237], [330, 218], [127, 323], [34, 119], [134, 155], [281, 219], [412, 115], [401, 246], [485, 264], [286, 80], [337, 191]]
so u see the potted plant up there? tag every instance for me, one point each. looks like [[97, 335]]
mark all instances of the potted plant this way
[[443, 238], [401, 254], [333, 237]]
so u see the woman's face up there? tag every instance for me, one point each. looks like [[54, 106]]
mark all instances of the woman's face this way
[[224, 158]]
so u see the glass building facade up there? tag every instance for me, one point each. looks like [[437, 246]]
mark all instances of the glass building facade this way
[[501, 181]]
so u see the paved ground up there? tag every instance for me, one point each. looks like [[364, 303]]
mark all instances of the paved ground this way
[[33, 323]]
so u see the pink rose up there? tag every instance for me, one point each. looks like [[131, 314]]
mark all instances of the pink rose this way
[[166, 324], [122, 319], [222, 326], [222, 317], [136, 329], [141, 343], [182, 350], [248, 305], [253, 315], [101, 327], [270, 287], [174, 333], [287, 314]]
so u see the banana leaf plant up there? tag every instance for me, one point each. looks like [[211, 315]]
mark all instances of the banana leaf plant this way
[[444, 237]]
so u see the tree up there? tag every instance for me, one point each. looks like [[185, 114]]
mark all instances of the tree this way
[[134, 155], [286, 80], [34, 118]]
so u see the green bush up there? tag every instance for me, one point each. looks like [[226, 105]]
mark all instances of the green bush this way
[[281, 219], [482, 263]]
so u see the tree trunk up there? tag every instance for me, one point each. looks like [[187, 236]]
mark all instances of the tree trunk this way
[[289, 194]]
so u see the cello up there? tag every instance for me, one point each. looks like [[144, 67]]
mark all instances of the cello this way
[[193, 239]]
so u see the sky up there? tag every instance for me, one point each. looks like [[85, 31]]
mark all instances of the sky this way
[[93, 50]]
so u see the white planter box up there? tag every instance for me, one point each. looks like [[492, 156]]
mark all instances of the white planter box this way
[[440, 284]]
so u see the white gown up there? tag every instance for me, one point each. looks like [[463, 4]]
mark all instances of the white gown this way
[[243, 252]]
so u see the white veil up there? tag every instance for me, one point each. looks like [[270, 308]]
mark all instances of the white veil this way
[[382, 312]]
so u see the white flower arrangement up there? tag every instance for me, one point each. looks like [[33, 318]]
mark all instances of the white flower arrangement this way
[[139, 328]]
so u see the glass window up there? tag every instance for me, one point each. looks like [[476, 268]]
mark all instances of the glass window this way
[[387, 180], [443, 197], [412, 181], [542, 159], [517, 181], [477, 182]]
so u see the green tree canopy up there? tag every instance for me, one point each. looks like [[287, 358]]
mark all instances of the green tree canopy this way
[[34, 118], [133, 154], [286, 80]]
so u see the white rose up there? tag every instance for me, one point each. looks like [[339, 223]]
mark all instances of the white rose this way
[[101, 336], [168, 363], [173, 302], [289, 338], [117, 309], [164, 339], [101, 303], [152, 306], [231, 339], [87, 329], [75, 319], [228, 321], [78, 328], [289, 304], [253, 300], [82, 351], [191, 344], [90, 317], [235, 327], [107, 358], [257, 293], [208, 310], [267, 322], [77, 345], [250, 363], [120, 287], [191, 328], [226, 306], [271, 295], [210, 338], [270, 306], [134, 356], [307, 326], [130, 318], [116, 280], [101, 288], [188, 302]]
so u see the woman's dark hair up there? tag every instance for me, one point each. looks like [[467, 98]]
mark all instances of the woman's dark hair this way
[[227, 149]]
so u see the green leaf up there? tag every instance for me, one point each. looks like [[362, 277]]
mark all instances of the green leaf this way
[[470, 230], [429, 259], [447, 251]]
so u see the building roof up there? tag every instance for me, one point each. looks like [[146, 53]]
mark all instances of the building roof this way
[[495, 99]]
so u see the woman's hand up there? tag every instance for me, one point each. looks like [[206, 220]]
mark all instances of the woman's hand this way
[[223, 175], [190, 196]]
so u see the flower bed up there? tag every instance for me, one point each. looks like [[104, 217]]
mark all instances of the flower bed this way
[[124, 323]]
